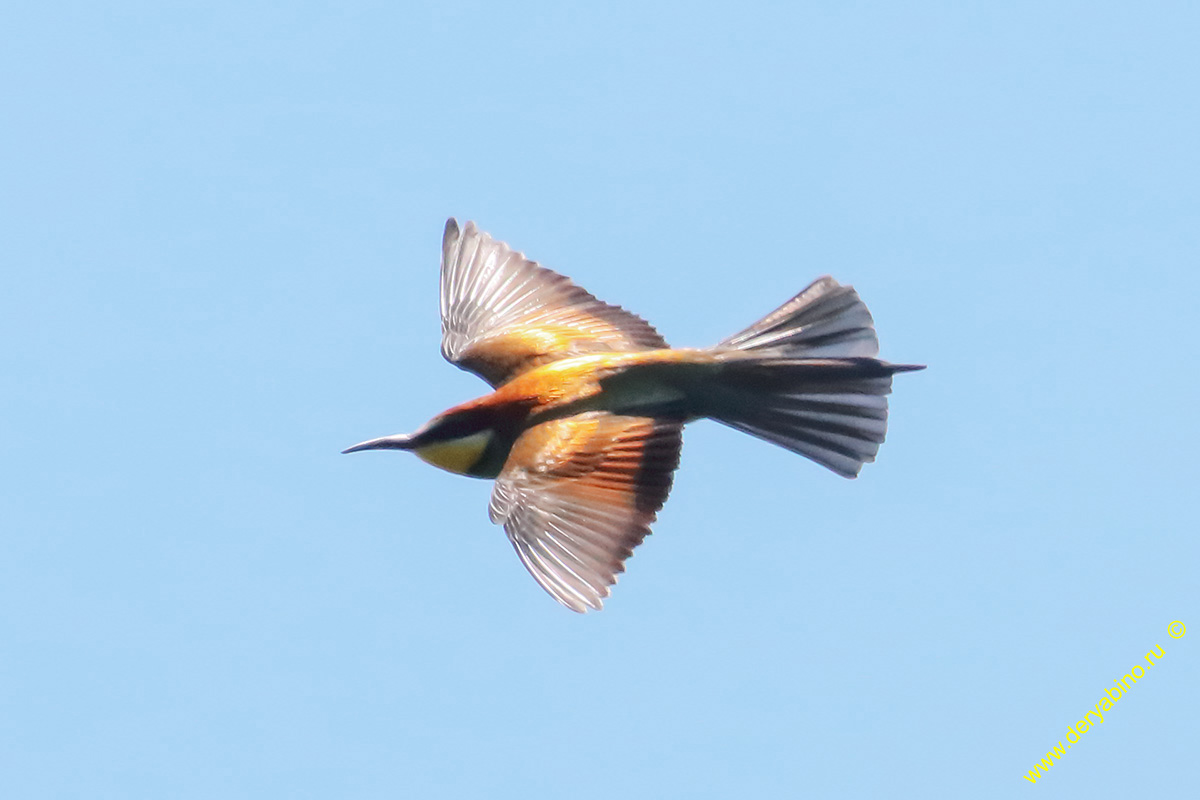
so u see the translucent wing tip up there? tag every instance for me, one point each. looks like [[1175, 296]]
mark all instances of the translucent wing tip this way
[[451, 232]]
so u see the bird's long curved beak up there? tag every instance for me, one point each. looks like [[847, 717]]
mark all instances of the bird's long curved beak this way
[[401, 441]]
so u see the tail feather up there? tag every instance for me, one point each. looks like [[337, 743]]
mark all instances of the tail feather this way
[[826, 320], [805, 377], [833, 411]]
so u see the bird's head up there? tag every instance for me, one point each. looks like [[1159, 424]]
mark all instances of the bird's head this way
[[462, 442]]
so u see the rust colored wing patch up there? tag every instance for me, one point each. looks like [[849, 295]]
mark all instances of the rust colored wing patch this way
[[577, 495], [503, 314]]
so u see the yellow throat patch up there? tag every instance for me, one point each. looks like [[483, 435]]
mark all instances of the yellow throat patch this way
[[456, 455]]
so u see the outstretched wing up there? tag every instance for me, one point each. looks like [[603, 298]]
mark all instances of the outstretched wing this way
[[503, 314], [577, 495]]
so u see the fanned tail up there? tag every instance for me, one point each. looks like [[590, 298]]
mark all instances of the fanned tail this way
[[804, 377]]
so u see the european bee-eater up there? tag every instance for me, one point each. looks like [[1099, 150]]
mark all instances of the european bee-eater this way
[[582, 432]]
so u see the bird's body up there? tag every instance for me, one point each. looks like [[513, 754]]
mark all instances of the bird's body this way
[[582, 431]]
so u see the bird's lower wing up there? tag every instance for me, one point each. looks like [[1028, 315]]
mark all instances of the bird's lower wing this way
[[577, 495]]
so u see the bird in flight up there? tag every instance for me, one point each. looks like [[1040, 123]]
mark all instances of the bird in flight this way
[[582, 431]]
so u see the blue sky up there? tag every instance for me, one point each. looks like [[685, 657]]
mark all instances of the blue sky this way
[[221, 225]]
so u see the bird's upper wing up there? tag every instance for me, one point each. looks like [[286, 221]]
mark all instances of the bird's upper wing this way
[[577, 495], [503, 314]]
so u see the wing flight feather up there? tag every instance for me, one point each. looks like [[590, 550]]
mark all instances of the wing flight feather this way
[[577, 495], [503, 314]]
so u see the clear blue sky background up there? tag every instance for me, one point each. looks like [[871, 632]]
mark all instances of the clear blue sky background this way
[[220, 228]]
